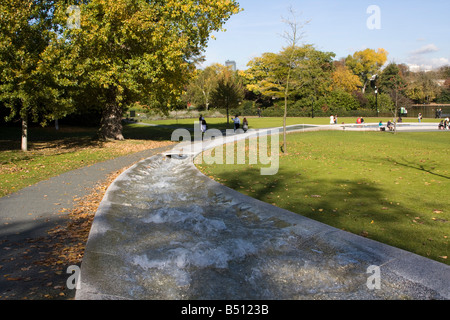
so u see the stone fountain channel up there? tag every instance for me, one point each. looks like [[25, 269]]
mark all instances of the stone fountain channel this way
[[166, 231]]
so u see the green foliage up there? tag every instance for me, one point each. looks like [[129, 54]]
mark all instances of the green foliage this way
[[27, 86], [311, 70], [338, 100], [201, 87], [422, 88], [229, 91], [383, 103], [133, 51], [444, 97]]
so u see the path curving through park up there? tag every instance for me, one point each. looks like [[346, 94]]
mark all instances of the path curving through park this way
[[166, 231]]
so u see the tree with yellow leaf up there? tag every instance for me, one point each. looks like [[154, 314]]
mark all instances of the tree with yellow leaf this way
[[27, 88], [344, 79], [366, 63], [127, 51]]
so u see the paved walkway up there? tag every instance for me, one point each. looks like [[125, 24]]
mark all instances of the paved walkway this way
[[165, 231]]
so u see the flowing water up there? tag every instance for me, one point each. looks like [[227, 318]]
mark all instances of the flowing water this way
[[170, 234]]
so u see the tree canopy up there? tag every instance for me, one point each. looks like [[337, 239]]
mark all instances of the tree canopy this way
[[119, 52], [27, 87], [130, 51], [366, 63]]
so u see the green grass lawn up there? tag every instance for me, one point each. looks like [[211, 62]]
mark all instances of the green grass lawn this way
[[391, 188], [54, 152]]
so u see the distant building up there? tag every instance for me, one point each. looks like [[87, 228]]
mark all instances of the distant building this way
[[231, 64]]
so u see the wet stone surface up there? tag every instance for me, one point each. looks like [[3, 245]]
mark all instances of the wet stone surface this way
[[168, 233]]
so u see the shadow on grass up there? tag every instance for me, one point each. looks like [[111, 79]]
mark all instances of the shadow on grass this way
[[74, 137], [420, 167], [143, 132], [358, 207], [407, 164], [41, 138]]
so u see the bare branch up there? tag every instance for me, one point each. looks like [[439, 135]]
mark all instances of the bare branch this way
[[295, 32]]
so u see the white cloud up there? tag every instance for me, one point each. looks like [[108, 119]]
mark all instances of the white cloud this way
[[417, 68], [427, 64], [429, 48], [420, 61], [439, 62]]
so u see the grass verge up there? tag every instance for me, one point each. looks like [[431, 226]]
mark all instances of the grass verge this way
[[54, 152], [389, 188]]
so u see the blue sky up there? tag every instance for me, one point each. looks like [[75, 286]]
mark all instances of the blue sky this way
[[416, 33]]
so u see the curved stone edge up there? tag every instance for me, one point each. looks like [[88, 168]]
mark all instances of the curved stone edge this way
[[404, 264], [428, 273], [394, 261], [88, 291]]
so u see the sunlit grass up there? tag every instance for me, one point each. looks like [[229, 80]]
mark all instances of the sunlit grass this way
[[390, 188]]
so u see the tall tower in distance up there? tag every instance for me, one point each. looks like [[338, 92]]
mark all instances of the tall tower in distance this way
[[231, 64]]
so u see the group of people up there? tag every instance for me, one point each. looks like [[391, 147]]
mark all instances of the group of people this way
[[333, 119], [390, 125], [444, 124], [236, 121]]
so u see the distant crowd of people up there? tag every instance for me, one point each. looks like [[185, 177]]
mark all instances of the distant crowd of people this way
[[236, 121], [443, 125]]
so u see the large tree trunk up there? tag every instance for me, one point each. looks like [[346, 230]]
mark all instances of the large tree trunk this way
[[111, 122]]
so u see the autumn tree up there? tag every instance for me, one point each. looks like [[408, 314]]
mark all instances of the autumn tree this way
[[310, 73], [344, 79], [422, 87], [201, 87], [293, 37], [27, 87], [366, 63], [394, 83], [266, 75], [229, 91], [135, 51]]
